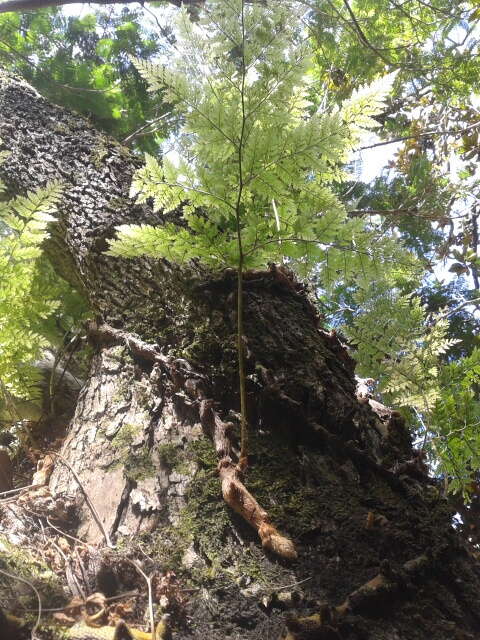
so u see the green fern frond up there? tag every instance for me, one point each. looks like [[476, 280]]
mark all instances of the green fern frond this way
[[25, 219], [366, 102]]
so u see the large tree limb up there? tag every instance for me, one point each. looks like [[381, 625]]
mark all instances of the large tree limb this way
[[33, 5]]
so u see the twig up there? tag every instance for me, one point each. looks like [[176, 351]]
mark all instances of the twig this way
[[5, 493], [465, 303], [363, 38], [127, 594], [136, 133], [82, 571], [356, 213], [293, 584], [87, 499], [67, 535], [150, 595], [62, 553]]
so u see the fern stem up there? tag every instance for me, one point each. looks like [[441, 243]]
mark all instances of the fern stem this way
[[240, 346], [241, 369]]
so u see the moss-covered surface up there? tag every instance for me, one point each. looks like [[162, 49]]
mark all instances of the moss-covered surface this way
[[98, 154], [204, 497], [19, 561], [52, 632], [169, 454], [322, 503], [136, 462]]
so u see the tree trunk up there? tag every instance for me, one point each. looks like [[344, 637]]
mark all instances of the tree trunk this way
[[377, 554]]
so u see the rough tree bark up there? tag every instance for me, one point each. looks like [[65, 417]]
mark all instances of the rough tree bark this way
[[377, 554]]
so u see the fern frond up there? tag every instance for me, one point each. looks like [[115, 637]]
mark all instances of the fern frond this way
[[366, 102], [21, 311]]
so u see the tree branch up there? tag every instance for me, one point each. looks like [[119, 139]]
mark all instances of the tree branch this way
[[33, 5], [358, 213], [462, 305], [446, 132], [363, 38], [141, 130]]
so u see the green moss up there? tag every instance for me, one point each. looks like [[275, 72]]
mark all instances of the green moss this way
[[125, 435], [175, 457], [122, 392], [138, 465], [117, 353], [280, 489], [20, 561], [204, 520], [253, 563], [208, 345], [203, 453], [142, 394], [62, 128], [98, 155], [169, 454], [135, 461], [119, 203], [53, 632]]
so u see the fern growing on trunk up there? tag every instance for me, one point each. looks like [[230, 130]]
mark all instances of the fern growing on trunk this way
[[253, 157]]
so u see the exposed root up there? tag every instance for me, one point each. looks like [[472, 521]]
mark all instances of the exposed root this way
[[234, 491], [241, 500], [324, 625], [386, 583]]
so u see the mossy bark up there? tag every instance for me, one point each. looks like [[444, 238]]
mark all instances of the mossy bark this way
[[322, 464]]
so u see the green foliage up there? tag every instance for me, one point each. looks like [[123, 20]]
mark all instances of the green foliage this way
[[433, 112], [398, 348], [455, 421], [463, 325], [83, 63], [396, 193], [254, 160], [407, 349], [393, 35], [25, 301], [268, 117]]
